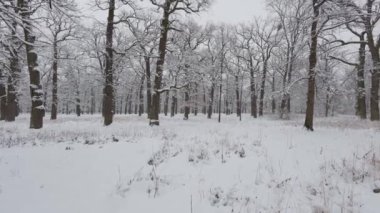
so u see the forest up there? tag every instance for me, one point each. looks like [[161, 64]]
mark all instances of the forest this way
[[154, 59], [217, 117]]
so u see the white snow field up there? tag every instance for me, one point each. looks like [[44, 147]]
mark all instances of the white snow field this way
[[76, 165]]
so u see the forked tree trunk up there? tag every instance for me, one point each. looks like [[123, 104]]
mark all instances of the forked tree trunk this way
[[36, 93], [108, 91]]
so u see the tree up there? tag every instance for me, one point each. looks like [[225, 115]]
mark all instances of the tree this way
[[266, 38], [38, 109], [168, 7], [292, 16], [62, 29], [246, 34], [316, 6], [146, 34], [108, 91]]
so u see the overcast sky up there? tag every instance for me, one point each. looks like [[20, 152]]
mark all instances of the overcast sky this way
[[235, 11], [227, 11]]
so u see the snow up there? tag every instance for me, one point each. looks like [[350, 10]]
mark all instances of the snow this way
[[77, 165]]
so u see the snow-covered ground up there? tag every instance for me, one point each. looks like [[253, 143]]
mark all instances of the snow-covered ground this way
[[75, 165]]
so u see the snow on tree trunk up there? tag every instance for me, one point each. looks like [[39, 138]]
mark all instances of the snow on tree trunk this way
[[36, 93]]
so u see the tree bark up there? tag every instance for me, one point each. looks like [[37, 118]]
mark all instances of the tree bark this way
[[253, 90], [327, 103], [262, 88], [14, 77], [273, 90], [174, 104], [312, 64], [3, 95], [374, 49], [166, 104], [238, 102], [92, 108], [148, 86], [108, 91], [187, 103], [54, 104], [155, 107], [204, 105], [77, 100], [36, 93], [361, 106], [211, 101], [141, 96]]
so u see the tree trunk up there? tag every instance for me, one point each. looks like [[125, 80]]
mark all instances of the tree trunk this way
[[273, 90], [141, 96], [253, 90], [361, 106], [155, 107], [174, 104], [108, 92], [14, 77], [204, 106], [327, 103], [92, 109], [284, 99], [148, 85], [77, 100], [187, 104], [262, 88], [238, 102], [220, 103], [36, 93], [312, 64], [374, 103], [54, 104], [166, 104], [374, 49], [211, 101], [195, 100], [3, 95]]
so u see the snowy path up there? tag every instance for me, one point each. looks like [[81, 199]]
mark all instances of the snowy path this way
[[78, 166]]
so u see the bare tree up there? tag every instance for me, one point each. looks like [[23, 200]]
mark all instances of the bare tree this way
[[168, 7], [38, 110], [266, 39], [315, 30], [62, 29]]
